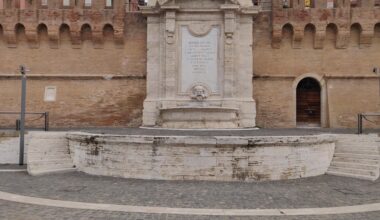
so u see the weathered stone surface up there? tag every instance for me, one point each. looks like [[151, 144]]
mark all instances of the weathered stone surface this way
[[202, 158], [10, 148], [48, 152]]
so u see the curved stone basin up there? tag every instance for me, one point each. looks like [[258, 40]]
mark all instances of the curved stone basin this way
[[202, 158]]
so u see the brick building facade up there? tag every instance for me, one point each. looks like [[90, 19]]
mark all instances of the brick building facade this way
[[313, 63]]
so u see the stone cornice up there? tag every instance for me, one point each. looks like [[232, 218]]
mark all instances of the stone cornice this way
[[73, 77], [160, 8]]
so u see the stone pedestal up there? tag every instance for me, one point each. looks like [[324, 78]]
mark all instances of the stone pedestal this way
[[199, 64]]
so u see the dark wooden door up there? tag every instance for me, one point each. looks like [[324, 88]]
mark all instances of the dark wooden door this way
[[308, 103]]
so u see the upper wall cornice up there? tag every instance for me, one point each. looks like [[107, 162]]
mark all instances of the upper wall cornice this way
[[159, 6]]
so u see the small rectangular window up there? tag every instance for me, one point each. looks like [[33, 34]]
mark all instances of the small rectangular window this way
[[8, 4], [109, 3], [330, 4], [87, 3], [44, 2], [285, 4], [66, 3], [355, 3], [22, 4], [310, 3]]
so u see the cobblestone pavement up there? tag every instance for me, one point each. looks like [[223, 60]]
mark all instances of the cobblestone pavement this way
[[15, 211], [323, 191]]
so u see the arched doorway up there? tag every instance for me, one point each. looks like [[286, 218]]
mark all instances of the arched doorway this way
[[308, 103]]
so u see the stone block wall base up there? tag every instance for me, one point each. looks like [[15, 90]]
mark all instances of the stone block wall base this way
[[199, 118]]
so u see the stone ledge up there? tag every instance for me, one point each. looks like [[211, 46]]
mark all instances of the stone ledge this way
[[75, 77], [202, 158], [204, 140]]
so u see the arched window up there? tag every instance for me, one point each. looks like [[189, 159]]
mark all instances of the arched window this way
[[331, 34], [42, 31], [309, 35], [377, 30], [287, 34], [108, 32], [86, 32], [1, 33], [64, 32], [355, 32], [20, 32]]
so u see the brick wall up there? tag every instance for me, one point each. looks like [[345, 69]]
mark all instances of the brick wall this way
[[343, 62], [288, 43], [95, 86]]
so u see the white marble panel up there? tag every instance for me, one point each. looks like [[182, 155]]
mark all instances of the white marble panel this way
[[199, 60]]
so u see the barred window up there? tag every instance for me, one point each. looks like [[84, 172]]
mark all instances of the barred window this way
[[87, 3], [109, 3], [66, 3]]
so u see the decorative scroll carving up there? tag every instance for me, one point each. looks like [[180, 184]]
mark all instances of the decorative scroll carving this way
[[170, 27], [230, 26]]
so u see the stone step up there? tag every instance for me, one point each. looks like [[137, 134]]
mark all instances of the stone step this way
[[349, 137], [51, 171], [50, 167], [361, 172], [369, 151], [357, 160], [356, 176], [35, 157], [358, 156], [357, 144], [47, 151], [355, 165], [51, 162]]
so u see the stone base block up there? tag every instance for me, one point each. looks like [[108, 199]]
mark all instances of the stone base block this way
[[190, 118]]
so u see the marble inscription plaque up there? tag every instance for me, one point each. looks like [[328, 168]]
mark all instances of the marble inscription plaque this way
[[199, 64], [50, 93]]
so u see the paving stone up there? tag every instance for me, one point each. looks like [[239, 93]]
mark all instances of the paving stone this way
[[322, 191], [16, 211]]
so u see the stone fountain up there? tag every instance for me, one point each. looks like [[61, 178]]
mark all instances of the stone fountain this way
[[199, 64]]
